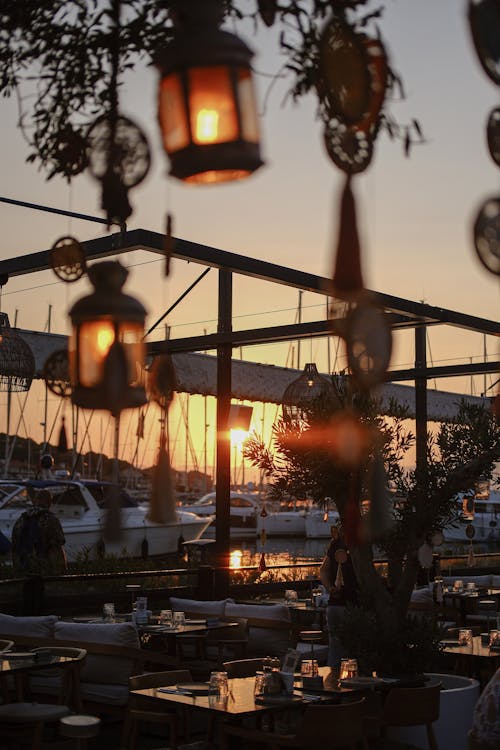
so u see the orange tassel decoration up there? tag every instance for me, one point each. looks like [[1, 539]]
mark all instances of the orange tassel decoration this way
[[347, 280], [162, 503]]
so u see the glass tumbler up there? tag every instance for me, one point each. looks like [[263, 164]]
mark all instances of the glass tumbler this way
[[108, 612], [260, 681], [179, 619], [494, 641], [165, 617], [465, 637]]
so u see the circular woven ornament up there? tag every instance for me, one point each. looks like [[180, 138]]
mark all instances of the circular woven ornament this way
[[340, 556], [67, 259], [487, 235], [368, 344], [493, 135], [127, 155], [425, 555], [70, 156], [350, 148], [162, 380], [343, 76], [484, 22], [56, 373]]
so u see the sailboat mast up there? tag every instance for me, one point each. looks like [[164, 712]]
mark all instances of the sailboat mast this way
[[46, 404]]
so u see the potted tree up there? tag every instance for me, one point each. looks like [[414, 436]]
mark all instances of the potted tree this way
[[345, 449]]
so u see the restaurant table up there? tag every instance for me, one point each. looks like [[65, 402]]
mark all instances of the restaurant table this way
[[164, 638], [466, 602], [15, 664], [476, 660]]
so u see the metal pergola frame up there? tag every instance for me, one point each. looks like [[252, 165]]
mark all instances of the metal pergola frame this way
[[403, 314]]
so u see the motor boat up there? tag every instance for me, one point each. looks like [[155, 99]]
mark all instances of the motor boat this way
[[318, 523], [81, 508], [482, 514], [250, 515]]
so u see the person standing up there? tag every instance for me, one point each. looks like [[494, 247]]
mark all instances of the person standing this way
[[38, 548], [338, 576]]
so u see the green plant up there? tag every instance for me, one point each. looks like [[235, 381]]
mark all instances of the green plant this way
[[304, 461]]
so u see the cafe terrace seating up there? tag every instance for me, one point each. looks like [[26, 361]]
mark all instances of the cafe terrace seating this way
[[113, 656]]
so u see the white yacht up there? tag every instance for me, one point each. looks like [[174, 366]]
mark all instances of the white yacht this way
[[483, 514], [249, 516], [81, 508], [318, 523]]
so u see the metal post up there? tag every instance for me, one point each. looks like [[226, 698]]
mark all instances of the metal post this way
[[421, 400], [223, 475]]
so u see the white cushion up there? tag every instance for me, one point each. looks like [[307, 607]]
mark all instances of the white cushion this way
[[271, 612], [495, 582], [109, 670], [213, 609], [421, 596], [38, 627], [114, 695]]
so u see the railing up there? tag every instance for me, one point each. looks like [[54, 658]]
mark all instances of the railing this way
[[85, 593]]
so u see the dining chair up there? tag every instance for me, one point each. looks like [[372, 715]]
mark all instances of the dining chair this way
[[5, 645], [66, 676], [329, 725], [23, 724], [243, 667], [139, 709], [411, 707]]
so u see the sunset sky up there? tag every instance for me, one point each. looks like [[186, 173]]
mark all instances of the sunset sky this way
[[415, 213]]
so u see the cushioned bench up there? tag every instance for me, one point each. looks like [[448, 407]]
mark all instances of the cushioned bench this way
[[113, 656]]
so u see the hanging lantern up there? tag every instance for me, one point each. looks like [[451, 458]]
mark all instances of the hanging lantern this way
[[207, 107], [106, 350], [302, 393], [17, 363]]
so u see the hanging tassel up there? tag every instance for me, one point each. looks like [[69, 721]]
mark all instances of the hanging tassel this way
[[347, 280], [162, 504], [139, 433], [325, 516], [262, 563], [263, 537], [62, 445], [263, 512], [168, 247]]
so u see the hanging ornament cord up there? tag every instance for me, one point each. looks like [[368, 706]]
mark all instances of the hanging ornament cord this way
[[162, 505], [347, 277], [471, 560], [169, 242], [339, 577], [112, 525]]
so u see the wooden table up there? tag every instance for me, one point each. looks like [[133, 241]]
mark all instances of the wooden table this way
[[18, 667], [476, 660]]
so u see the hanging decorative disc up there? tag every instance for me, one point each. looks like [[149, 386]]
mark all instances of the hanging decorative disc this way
[[56, 373], [487, 235], [70, 157], [493, 135], [128, 156], [368, 344], [349, 147], [484, 21], [343, 75], [470, 531], [67, 259], [425, 555], [437, 538], [162, 380]]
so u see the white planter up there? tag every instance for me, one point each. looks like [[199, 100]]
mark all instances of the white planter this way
[[458, 698]]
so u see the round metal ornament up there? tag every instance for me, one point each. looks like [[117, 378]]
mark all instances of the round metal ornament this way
[[493, 135], [341, 556], [379, 72], [70, 155], [368, 344], [162, 380], [349, 147], [56, 373], [343, 76], [487, 235], [484, 21], [67, 259], [470, 531], [127, 155], [425, 555]]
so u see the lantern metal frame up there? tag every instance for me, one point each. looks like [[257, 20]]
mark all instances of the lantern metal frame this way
[[300, 395], [115, 388], [17, 363], [199, 43]]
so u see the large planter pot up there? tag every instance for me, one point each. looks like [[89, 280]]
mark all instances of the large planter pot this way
[[458, 698]]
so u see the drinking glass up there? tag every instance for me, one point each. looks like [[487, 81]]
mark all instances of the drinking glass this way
[[179, 619], [494, 639], [465, 637], [291, 596], [309, 668], [343, 669], [260, 681], [458, 586], [108, 612], [348, 669], [272, 662], [165, 617], [470, 586], [218, 684]]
